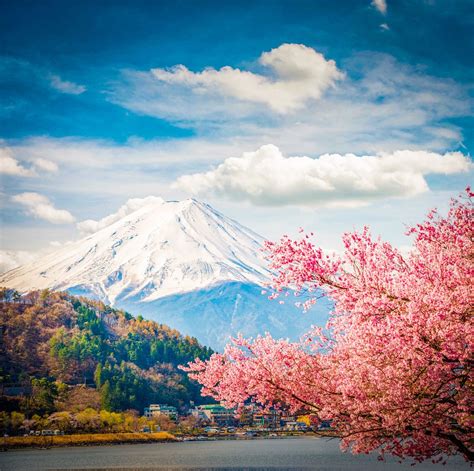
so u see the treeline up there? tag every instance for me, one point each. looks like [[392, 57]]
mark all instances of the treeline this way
[[69, 422], [65, 340]]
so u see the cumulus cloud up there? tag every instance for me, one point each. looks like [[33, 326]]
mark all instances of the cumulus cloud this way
[[11, 166], [40, 207], [292, 75], [266, 177], [64, 86], [381, 6], [90, 226]]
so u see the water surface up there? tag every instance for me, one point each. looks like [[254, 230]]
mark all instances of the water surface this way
[[298, 453]]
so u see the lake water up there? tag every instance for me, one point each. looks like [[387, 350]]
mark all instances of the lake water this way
[[299, 453]]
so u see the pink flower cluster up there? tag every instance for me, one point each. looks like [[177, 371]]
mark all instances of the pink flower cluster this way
[[394, 370]]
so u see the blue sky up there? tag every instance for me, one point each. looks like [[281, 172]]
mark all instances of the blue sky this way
[[94, 111]]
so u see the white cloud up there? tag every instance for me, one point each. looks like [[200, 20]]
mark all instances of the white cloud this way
[[46, 165], [24, 72], [100, 154], [266, 177], [64, 86], [382, 104], [90, 226], [294, 74], [10, 259], [10, 166], [40, 207], [381, 6]]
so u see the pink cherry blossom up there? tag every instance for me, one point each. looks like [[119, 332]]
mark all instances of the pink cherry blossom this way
[[393, 368]]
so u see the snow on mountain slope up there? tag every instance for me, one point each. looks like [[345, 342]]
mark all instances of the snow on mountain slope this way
[[162, 248]]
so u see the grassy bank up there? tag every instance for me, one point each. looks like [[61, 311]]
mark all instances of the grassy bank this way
[[84, 439]]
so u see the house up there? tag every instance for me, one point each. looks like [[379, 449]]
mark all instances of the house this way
[[269, 419], [215, 413], [156, 410], [296, 426]]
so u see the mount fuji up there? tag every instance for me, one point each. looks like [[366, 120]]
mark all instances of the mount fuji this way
[[181, 263]]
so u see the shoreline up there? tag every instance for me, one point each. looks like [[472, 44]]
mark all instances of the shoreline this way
[[92, 439], [130, 438]]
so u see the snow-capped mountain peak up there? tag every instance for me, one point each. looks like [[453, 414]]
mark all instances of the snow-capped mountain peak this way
[[160, 249]]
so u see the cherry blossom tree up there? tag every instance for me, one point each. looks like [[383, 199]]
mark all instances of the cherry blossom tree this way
[[393, 367]]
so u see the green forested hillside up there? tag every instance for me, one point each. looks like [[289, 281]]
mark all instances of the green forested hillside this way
[[49, 340]]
